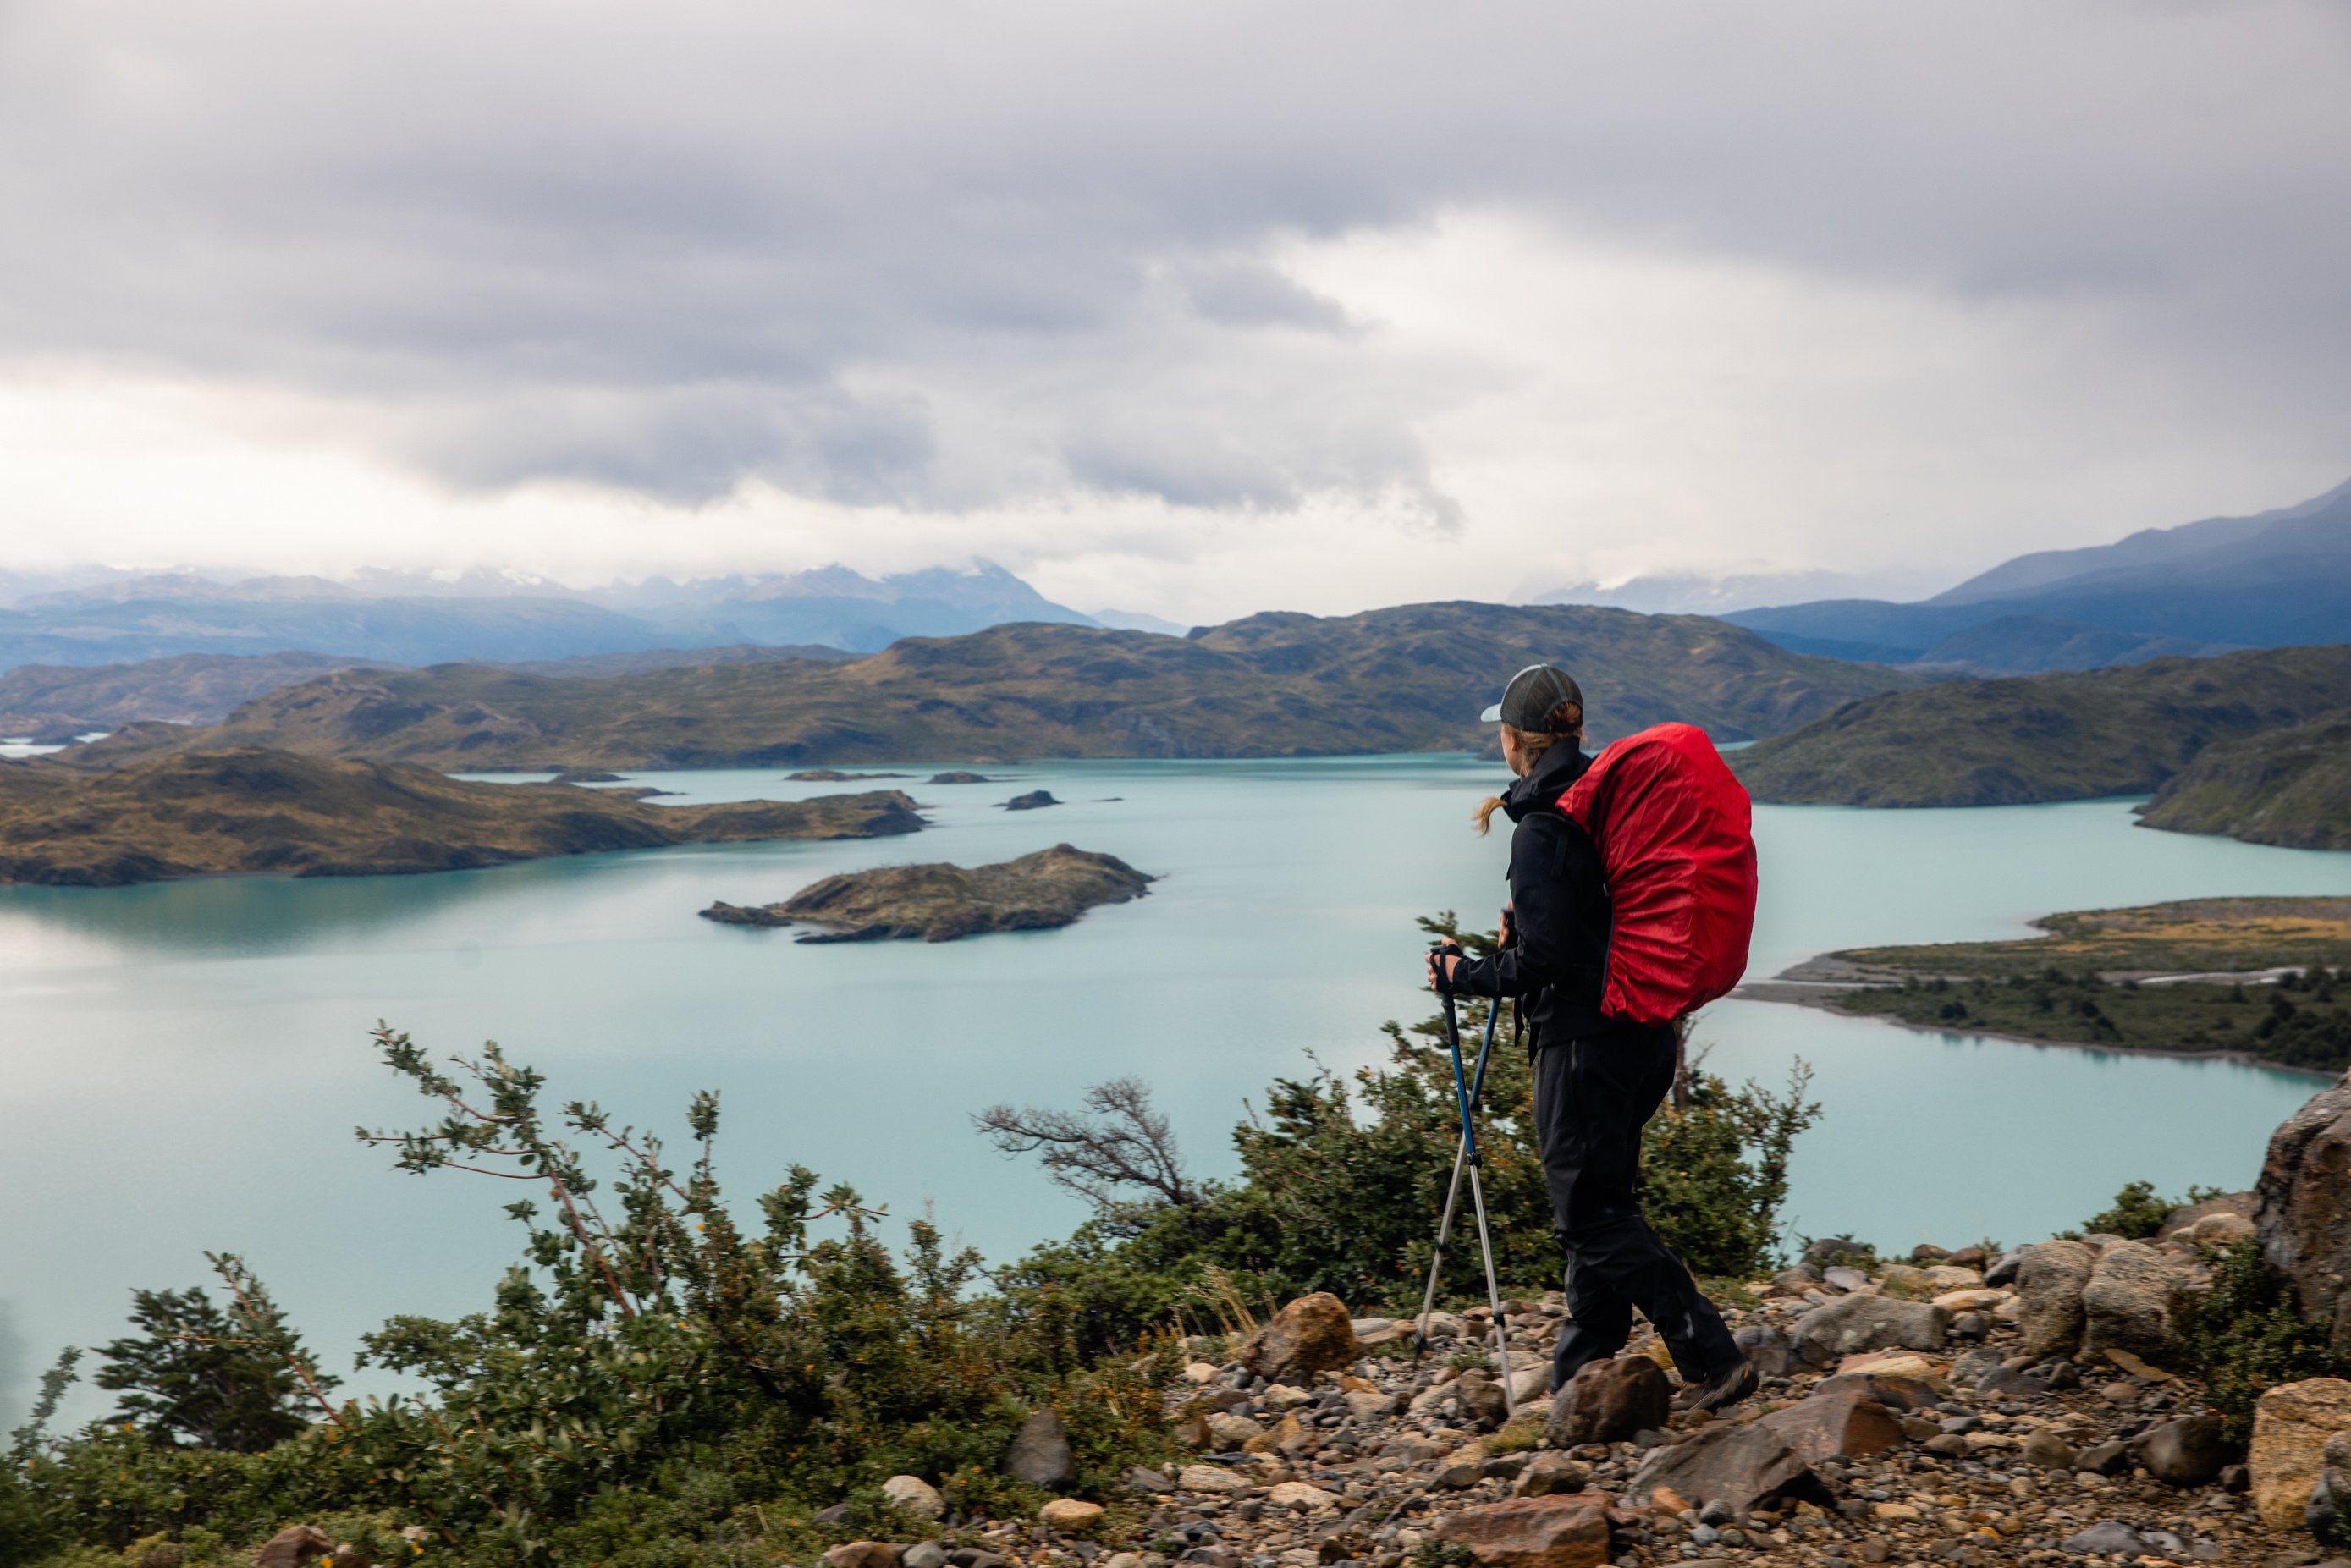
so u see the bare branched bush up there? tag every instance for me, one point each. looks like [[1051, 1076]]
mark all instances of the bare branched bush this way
[[1119, 1142]]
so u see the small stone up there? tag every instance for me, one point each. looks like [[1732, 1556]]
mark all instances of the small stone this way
[[1228, 1431], [915, 1495], [1200, 1372], [1143, 1480], [2189, 1452], [1123, 1560], [863, 1554], [1551, 1475], [2108, 1535], [2104, 1459], [2046, 1450], [1846, 1422], [1766, 1348], [1300, 1496], [292, 1547], [1071, 1513], [923, 1554], [1040, 1453], [1213, 1478]]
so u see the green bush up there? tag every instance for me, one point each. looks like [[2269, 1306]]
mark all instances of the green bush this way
[[2248, 1335]]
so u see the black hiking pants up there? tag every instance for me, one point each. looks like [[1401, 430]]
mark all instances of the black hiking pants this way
[[1593, 1096]]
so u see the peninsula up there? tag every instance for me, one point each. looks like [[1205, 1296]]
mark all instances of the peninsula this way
[[940, 903], [2263, 980], [206, 812]]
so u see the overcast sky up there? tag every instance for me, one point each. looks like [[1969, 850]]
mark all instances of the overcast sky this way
[[1193, 308]]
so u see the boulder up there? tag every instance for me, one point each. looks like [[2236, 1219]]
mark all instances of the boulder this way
[[1844, 1422], [1766, 1349], [2132, 1304], [1071, 1513], [862, 1554], [2002, 1270], [1211, 1479], [2301, 1207], [1368, 1405], [1040, 1453], [1953, 1276], [2189, 1452], [1827, 1334], [2050, 1276], [915, 1495], [1311, 1334], [2328, 1517], [1738, 1465], [292, 1547], [2239, 1204], [1795, 1281], [2292, 1425], [1560, 1530], [1608, 1401]]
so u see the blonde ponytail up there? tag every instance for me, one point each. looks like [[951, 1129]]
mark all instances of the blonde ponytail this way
[[1566, 724]]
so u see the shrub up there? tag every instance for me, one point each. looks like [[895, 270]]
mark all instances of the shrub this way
[[2248, 1335]]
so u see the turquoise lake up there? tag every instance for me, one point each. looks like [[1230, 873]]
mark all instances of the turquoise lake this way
[[186, 1062]]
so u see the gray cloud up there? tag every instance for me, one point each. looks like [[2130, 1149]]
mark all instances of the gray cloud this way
[[947, 258]]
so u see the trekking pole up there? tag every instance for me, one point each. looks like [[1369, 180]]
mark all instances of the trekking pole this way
[[1465, 1157]]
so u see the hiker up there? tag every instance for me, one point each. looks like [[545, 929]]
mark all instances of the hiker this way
[[1598, 1078]]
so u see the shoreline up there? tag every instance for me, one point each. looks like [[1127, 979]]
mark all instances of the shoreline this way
[[1823, 994]]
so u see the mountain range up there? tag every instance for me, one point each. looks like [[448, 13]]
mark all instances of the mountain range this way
[[406, 618], [2279, 579]]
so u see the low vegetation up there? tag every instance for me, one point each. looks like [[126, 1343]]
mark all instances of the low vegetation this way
[[190, 814], [2288, 787], [2304, 1020], [667, 1378]]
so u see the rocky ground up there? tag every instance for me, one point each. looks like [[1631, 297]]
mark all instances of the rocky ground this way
[[1952, 1410]]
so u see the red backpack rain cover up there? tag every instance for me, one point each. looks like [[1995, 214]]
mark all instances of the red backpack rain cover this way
[[1676, 837]]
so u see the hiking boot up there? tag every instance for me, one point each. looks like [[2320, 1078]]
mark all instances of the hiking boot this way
[[1728, 1388]]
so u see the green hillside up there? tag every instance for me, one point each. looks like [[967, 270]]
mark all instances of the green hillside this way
[[194, 813], [1406, 679], [2122, 731], [2290, 787]]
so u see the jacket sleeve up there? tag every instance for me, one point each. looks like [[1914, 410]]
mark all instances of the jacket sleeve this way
[[1552, 865]]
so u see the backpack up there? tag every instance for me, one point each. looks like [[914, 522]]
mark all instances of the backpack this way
[[1676, 837]]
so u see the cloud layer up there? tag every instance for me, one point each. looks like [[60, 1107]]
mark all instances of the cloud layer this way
[[1156, 300]]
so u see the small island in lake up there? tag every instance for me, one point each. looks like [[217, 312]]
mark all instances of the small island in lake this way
[[940, 903], [2258, 979], [1034, 800], [960, 777], [832, 776]]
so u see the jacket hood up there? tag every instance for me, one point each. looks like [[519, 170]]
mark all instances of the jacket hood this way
[[1540, 791]]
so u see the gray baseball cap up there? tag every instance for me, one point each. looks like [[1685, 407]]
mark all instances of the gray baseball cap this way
[[1528, 701]]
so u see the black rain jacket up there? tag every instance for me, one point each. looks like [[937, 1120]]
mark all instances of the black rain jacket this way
[[1557, 962]]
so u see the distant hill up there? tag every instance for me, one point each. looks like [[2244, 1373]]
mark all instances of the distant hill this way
[[57, 701], [193, 813], [1409, 679], [597, 666], [414, 619], [2289, 786], [2122, 731], [2279, 579]]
